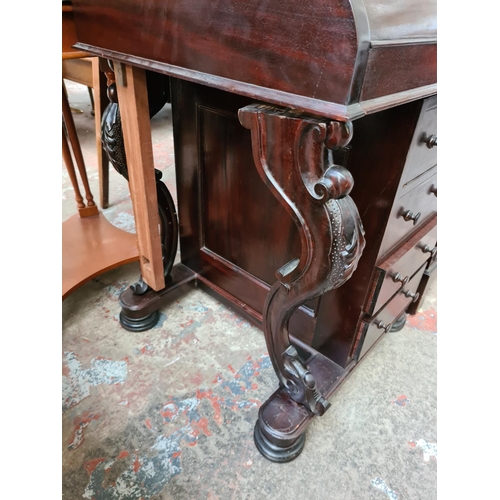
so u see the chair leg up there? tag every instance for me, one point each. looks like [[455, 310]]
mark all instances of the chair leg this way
[[91, 208], [71, 171]]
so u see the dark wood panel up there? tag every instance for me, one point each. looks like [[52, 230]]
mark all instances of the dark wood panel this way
[[233, 231], [242, 221], [245, 226], [392, 69], [304, 48]]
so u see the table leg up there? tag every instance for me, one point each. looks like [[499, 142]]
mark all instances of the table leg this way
[[126, 136], [293, 156]]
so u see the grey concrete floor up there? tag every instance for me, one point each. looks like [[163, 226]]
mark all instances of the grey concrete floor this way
[[169, 413]]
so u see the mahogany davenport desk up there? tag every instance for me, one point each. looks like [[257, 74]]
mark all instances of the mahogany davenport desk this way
[[305, 146]]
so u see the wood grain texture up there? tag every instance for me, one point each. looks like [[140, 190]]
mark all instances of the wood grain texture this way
[[69, 37], [286, 46], [90, 247], [228, 218], [132, 95], [393, 69]]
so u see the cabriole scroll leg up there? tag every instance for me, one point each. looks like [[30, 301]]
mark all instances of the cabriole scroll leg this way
[[293, 155]]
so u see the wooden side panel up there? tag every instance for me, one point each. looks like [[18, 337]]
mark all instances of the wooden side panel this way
[[242, 221], [393, 69], [233, 231], [133, 99]]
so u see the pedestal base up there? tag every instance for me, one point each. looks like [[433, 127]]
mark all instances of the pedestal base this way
[[279, 451], [399, 323]]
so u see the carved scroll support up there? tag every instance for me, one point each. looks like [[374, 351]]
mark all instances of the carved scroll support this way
[[293, 155], [132, 316]]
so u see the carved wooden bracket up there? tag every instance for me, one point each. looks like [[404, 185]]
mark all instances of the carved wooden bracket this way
[[293, 155]]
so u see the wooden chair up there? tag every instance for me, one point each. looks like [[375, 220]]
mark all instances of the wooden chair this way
[[90, 244], [80, 67]]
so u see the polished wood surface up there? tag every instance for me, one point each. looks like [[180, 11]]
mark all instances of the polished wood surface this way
[[90, 247], [274, 221], [69, 38], [311, 55], [90, 244]]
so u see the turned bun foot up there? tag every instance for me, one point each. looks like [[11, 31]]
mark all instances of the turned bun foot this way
[[276, 449], [139, 324], [399, 323]]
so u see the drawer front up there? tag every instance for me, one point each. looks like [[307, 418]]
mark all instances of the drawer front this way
[[375, 327], [395, 272], [410, 212], [422, 154]]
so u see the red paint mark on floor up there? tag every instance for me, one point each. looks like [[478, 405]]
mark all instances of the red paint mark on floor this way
[[231, 369], [148, 424], [80, 422], [169, 414], [401, 400], [190, 322], [176, 454], [412, 444], [200, 425], [147, 349], [214, 401], [424, 320], [137, 463], [123, 454], [91, 465], [197, 379]]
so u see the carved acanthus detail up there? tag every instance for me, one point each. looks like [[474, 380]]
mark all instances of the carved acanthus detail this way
[[293, 155]]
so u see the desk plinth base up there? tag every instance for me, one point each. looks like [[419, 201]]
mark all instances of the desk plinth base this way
[[279, 432], [141, 312]]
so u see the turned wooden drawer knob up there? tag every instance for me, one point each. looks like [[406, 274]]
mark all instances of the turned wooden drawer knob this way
[[398, 278], [382, 326], [431, 250], [411, 295], [432, 142], [408, 215]]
